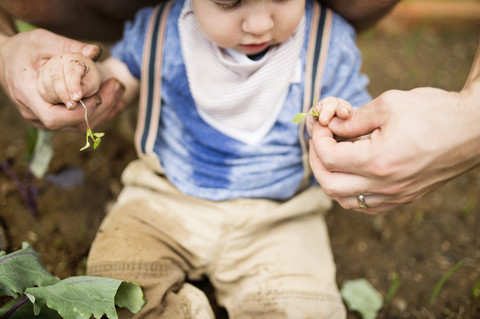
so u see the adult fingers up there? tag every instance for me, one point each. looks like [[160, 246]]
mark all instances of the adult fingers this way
[[336, 184], [100, 108], [58, 117], [60, 44], [344, 188], [363, 121], [346, 156], [376, 203]]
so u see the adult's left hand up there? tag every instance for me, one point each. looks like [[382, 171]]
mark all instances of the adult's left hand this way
[[418, 140]]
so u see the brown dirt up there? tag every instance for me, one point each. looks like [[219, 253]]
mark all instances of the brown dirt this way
[[420, 241]]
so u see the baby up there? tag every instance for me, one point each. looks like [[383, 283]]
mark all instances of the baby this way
[[222, 188]]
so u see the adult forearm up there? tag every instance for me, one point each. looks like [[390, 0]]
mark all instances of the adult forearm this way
[[79, 19], [361, 13], [72, 18]]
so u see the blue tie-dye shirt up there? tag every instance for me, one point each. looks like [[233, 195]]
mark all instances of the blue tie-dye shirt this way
[[202, 162]]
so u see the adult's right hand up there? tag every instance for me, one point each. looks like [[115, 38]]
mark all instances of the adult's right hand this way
[[21, 57]]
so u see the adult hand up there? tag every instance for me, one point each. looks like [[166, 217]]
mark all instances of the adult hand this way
[[418, 140], [21, 57]]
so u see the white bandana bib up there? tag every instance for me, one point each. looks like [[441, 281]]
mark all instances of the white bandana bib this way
[[237, 96]]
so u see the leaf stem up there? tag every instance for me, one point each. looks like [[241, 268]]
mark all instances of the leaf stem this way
[[25, 192], [15, 307]]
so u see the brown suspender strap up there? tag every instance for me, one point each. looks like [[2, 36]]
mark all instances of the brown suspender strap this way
[[317, 50], [150, 90], [151, 85]]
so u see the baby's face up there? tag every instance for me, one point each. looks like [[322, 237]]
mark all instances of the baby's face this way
[[248, 26]]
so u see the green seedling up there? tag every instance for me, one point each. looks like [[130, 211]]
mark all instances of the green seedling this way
[[476, 290], [95, 137], [440, 283], [392, 290], [301, 116]]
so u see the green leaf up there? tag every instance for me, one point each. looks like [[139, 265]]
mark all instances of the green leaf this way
[[96, 138], [23, 26], [299, 118], [22, 269], [42, 154], [86, 296], [361, 296], [87, 145], [98, 135], [130, 296]]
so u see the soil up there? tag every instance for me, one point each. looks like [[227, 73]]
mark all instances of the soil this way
[[420, 242]]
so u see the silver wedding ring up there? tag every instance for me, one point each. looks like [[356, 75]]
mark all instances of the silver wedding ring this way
[[361, 202]]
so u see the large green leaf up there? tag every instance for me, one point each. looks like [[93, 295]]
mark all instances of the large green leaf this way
[[22, 269], [22, 274], [86, 296]]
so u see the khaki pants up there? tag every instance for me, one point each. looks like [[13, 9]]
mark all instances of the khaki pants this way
[[265, 259]]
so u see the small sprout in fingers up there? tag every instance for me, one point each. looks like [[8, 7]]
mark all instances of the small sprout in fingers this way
[[95, 137], [313, 112]]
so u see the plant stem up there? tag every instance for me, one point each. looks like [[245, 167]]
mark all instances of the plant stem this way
[[24, 191], [86, 117], [15, 307]]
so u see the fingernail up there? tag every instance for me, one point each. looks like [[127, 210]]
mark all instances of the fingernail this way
[[92, 51], [76, 96], [69, 105]]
